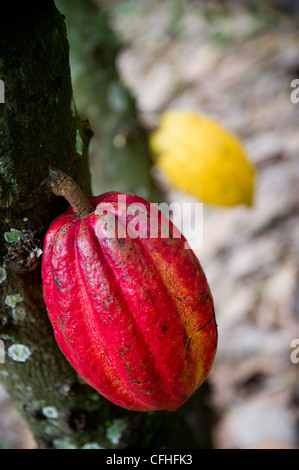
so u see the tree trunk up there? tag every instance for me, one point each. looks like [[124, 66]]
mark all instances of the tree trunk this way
[[39, 130]]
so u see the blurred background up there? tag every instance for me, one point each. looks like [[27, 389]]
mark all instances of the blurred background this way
[[234, 61]]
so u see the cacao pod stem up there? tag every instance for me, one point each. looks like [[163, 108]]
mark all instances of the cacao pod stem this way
[[63, 185]]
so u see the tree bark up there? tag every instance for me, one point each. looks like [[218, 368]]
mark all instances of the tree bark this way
[[40, 130]]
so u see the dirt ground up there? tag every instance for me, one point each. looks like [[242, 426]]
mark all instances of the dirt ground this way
[[236, 65]]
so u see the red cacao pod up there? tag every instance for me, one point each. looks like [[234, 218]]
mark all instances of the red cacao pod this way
[[133, 315]]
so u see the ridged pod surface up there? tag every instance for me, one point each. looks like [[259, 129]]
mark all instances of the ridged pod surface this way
[[133, 314]]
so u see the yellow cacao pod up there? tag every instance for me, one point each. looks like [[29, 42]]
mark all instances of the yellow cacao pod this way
[[202, 158]]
